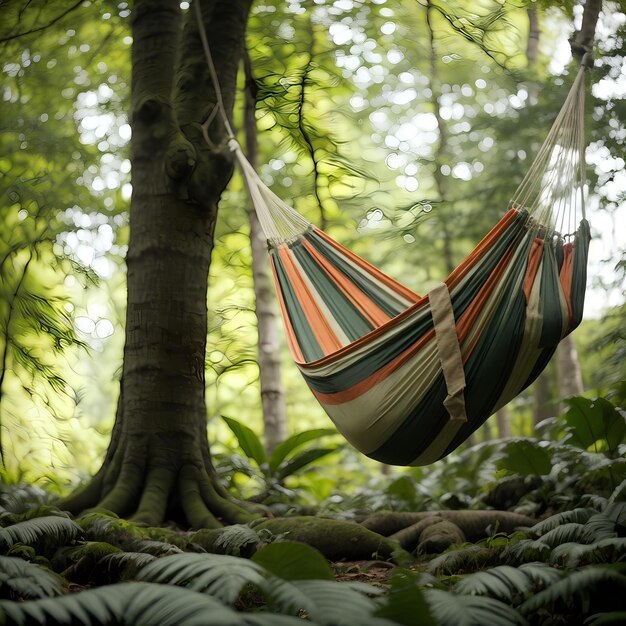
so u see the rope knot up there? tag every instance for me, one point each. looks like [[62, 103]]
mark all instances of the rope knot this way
[[233, 144]]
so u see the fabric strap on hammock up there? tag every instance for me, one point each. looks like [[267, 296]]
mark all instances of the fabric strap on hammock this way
[[449, 353]]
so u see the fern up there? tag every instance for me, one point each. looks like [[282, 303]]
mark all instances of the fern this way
[[579, 515], [218, 575], [615, 618], [526, 551], [236, 538], [59, 530], [133, 603], [566, 533], [156, 548], [20, 579], [125, 565], [507, 583], [327, 602], [470, 558], [581, 586], [22, 498], [609, 550], [450, 609]]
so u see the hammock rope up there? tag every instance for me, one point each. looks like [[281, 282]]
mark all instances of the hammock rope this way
[[407, 378]]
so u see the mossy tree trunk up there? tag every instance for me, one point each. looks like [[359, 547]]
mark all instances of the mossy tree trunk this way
[[158, 461]]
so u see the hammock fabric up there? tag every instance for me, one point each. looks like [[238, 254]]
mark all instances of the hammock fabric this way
[[407, 378]]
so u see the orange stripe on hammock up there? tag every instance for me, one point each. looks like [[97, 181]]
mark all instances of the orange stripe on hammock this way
[[325, 335], [468, 263], [358, 298], [292, 340], [567, 276], [372, 270]]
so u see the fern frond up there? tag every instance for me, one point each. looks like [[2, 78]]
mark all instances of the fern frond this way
[[327, 602], [581, 585], [469, 558], [566, 533], [124, 603], [30, 532], [156, 548], [579, 515], [233, 539], [507, 583], [20, 579], [609, 550], [526, 551], [608, 523], [125, 565], [22, 498], [450, 609], [614, 618], [218, 575]]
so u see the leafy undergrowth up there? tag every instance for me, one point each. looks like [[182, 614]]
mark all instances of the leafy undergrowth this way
[[568, 567]]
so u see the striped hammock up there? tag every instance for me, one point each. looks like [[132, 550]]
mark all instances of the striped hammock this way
[[407, 378]]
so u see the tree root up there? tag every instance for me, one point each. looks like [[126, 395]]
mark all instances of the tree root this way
[[474, 525], [148, 495], [335, 539]]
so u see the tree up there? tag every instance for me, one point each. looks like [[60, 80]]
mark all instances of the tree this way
[[158, 458]]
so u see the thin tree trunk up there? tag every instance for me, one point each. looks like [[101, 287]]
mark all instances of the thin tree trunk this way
[[272, 391], [158, 461], [542, 398], [532, 46], [570, 376], [440, 156], [503, 419]]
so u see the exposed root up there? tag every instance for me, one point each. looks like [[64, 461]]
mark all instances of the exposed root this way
[[147, 495], [475, 525]]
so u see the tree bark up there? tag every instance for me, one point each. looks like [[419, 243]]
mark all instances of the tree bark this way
[[570, 376], [532, 46], [158, 462], [440, 156], [542, 405], [503, 419], [270, 376]]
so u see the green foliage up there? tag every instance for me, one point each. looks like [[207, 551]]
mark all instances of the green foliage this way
[[456, 610], [287, 458], [22, 580], [595, 423], [525, 457], [40, 531], [293, 561]]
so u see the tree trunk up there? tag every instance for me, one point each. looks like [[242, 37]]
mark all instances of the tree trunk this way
[[542, 404], [272, 391], [503, 419], [158, 462], [570, 376], [532, 46]]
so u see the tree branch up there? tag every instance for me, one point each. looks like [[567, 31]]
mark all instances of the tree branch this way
[[40, 28]]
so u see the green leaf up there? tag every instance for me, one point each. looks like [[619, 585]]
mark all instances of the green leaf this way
[[248, 440], [525, 457], [406, 604], [591, 421], [302, 460], [293, 561], [282, 450]]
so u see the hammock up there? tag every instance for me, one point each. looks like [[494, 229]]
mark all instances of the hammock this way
[[407, 378]]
